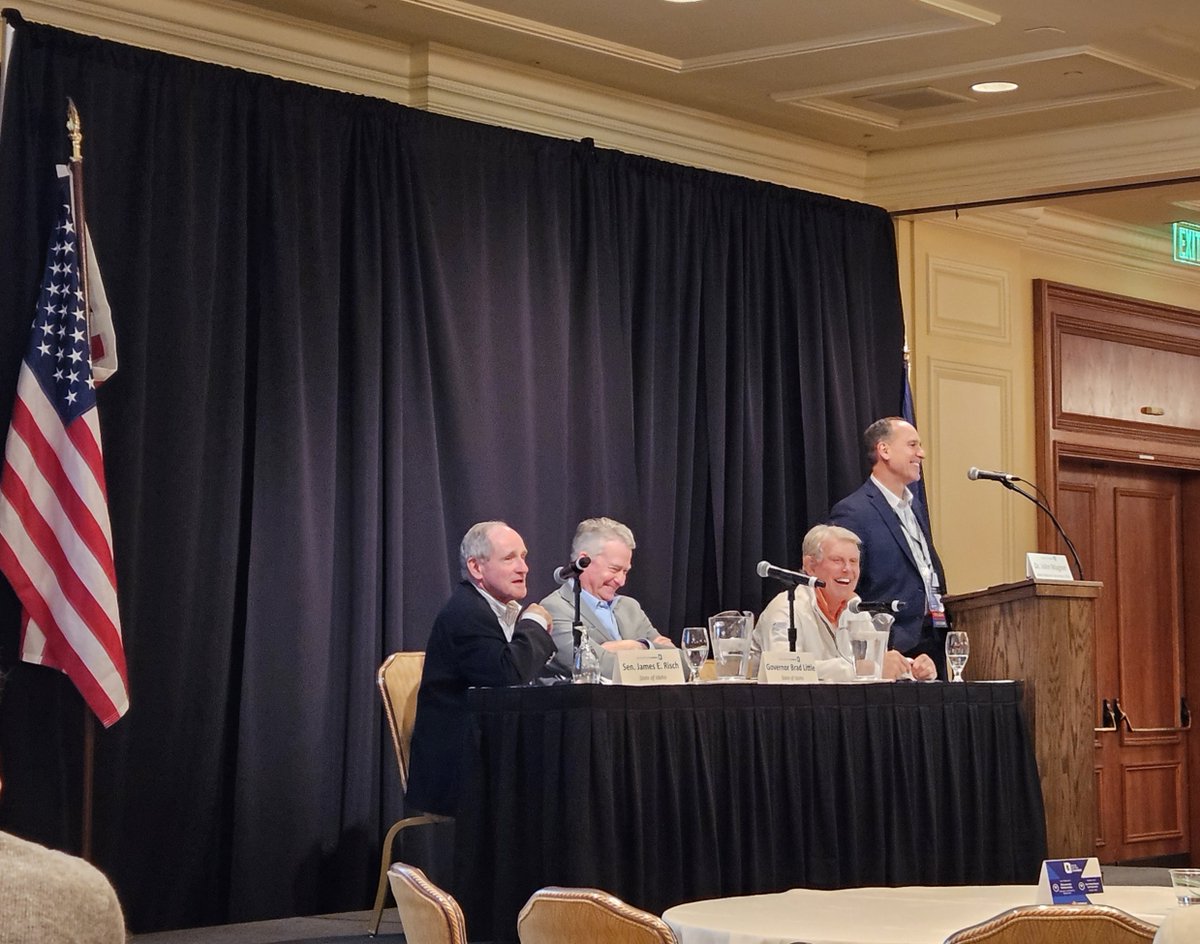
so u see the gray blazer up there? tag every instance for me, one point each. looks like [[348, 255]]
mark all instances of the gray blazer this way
[[632, 623]]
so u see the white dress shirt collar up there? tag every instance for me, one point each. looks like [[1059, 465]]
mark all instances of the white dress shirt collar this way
[[506, 613]]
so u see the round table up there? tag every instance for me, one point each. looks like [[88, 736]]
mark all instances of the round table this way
[[913, 915]]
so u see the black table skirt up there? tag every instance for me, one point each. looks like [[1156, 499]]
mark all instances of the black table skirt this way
[[662, 795]]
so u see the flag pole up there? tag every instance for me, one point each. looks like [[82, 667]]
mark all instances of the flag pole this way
[[75, 133]]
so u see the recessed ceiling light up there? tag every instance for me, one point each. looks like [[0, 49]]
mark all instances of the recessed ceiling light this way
[[994, 87]]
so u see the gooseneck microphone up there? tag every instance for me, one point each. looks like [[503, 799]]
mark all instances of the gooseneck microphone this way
[[573, 569], [792, 577], [1007, 480], [973, 474]]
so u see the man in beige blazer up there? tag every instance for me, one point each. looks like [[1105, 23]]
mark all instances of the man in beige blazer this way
[[612, 622]]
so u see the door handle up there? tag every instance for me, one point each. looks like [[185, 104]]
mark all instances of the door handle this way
[[1122, 717], [1107, 720]]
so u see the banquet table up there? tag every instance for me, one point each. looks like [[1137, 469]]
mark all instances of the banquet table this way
[[912, 915], [665, 794]]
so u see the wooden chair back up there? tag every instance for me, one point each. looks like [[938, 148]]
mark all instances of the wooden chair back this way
[[1058, 924], [563, 915], [428, 914], [398, 679]]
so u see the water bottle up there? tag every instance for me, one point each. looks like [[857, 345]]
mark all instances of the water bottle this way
[[586, 668]]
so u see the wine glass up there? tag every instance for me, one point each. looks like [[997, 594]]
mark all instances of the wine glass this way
[[958, 648], [694, 643]]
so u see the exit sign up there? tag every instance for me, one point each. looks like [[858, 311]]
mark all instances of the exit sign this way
[[1185, 240]]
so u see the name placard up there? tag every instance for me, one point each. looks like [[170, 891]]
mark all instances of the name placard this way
[[787, 668], [1069, 881], [1047, 567], [648, 667]]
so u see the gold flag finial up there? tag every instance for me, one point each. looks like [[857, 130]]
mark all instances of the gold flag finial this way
[[74, 131]]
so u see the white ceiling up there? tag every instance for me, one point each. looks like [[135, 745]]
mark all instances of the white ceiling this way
[[875, 75]]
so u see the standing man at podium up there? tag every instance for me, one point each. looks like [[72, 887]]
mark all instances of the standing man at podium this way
[[899, 561]]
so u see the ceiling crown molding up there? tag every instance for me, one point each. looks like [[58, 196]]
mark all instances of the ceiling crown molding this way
[[479, 88], [1077, 236], [954, 16], [216, 31], [1153, 148]]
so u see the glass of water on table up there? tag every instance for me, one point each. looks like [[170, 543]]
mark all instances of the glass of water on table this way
[[1186, 883], [694, 643], [958, 649]]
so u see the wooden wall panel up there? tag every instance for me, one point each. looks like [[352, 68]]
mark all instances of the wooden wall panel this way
[[1098, 359], [972, 426], [1147, 624], [968, 301], [1154, 802]]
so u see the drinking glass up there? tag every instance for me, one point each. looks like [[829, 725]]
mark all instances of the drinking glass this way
[[694, 643], [1186, 883], [958, 648]]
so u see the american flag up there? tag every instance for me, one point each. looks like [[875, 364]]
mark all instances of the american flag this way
[[908, 413], [55, 538]]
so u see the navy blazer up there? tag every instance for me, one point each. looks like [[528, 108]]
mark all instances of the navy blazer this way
[[466, 648], [889, 571]]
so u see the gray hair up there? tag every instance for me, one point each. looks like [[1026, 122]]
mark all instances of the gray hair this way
[[477, 542], [877, 432], [593, 533], [820, 533]]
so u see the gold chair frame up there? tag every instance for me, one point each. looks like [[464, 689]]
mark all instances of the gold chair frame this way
[[553, 915], [398, 680], [428, 914], [1058, 924]]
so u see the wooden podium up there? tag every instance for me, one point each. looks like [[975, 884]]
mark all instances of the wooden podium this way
[[1043, 632]]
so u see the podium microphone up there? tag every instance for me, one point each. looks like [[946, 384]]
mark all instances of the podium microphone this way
[[571, 570], [974, 474], [792, 577], [1006, 479]]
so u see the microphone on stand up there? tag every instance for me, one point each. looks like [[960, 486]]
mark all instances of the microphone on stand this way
[[973, 474], [858, 605], [1007, 480], [571, 570], [791, 577]]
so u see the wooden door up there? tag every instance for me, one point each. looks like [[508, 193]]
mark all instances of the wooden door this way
[[1126, 522]]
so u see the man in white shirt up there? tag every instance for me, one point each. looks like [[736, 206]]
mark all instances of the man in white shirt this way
[[822, 616], [613, 623]]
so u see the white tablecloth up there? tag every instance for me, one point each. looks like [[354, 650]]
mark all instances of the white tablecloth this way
[[912, 915]]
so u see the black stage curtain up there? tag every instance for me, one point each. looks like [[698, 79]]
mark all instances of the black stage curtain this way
[[347, 331]]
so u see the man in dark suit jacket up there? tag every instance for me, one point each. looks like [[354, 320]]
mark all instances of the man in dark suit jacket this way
[[899, 561], [480, 638]]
